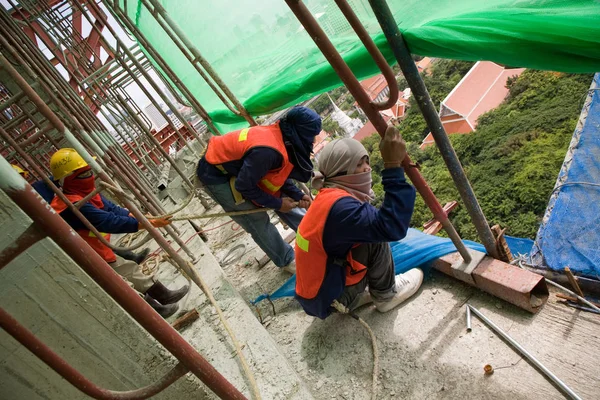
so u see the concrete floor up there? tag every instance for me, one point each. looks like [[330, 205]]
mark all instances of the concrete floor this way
[[274, 375], [424, 349]]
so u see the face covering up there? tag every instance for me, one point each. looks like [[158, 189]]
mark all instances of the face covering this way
[[73, 184], [299, 128], [337, 162]]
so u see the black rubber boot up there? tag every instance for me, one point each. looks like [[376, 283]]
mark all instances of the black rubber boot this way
[[130, 255], [141, 256], [166, 296], [165, 311]]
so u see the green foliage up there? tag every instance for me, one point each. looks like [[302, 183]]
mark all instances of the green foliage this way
[[512, 159], [332, 127], [321, 104]]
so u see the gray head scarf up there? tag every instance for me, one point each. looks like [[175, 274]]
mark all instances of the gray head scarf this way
[[341, 156]]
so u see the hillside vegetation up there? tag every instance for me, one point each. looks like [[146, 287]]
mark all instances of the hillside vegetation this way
[[512, 159]]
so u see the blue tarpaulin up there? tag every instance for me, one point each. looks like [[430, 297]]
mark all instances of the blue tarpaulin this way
[[569, 234], [416, 249]]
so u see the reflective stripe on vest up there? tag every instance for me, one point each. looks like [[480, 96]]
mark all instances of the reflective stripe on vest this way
[[311, 258], [88, 236], [234, 145]]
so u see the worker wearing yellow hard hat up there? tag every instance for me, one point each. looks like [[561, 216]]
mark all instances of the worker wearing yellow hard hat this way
[[77, 181], [64, 162], [21, 171]]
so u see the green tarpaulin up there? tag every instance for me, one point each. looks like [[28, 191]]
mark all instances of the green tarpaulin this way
[[264, 55]]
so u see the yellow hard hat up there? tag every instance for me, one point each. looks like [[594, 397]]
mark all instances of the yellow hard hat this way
[[65, 161], [20, 170]]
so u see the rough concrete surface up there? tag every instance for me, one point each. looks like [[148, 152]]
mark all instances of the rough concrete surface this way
[[424, 349], [51, 296], [275, 376]]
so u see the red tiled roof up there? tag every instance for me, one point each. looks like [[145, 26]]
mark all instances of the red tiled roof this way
[[457, 126], [397, 110], [320, 142], [368, 129], [481, 89], [428, 141], [365, 131], [424, 64], [373, 86]]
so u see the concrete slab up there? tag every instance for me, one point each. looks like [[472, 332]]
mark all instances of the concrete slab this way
[[275, 376], [424, 349], [51, 296]]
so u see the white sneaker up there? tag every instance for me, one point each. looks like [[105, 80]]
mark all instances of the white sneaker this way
[[290, 268], [362, 299], [407, 284]]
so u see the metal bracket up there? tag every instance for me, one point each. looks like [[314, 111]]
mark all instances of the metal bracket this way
[[463, 271]]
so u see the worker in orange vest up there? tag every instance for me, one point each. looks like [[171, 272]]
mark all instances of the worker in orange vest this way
[[77, 181], [342, 244], [254, 167], [48, 195]]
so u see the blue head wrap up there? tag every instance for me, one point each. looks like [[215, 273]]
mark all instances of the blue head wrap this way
[[299, 128]]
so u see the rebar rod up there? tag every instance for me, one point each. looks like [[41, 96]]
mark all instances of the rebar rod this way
[[431, 116], [567, 390]]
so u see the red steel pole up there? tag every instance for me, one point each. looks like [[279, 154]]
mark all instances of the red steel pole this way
[[71, 243]]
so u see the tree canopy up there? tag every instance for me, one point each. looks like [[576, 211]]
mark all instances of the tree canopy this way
[[512, 159]]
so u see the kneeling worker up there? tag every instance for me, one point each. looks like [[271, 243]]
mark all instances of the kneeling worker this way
[[77, 181], [342, 243], [47, 194], [253, 167]]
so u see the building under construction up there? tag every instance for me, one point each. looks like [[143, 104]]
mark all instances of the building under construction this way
[[139, 87]]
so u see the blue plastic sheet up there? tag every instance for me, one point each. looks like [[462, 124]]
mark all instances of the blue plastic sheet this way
[[519, 246], [569, 233], [415, 250]]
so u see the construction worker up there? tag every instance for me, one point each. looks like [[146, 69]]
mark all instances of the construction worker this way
[[40, 186], [77, 181], [254, 167], [47, 194], [342, 243]]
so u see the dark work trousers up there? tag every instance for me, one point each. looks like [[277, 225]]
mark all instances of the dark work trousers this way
[[380, 276]]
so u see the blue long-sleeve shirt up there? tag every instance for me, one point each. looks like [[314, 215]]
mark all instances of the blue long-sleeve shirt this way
[[44, 190], [351, 222], [110, 219], [249, 170]]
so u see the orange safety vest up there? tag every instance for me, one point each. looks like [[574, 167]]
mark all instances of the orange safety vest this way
[[311, 258], [104, 251], [234, 145]]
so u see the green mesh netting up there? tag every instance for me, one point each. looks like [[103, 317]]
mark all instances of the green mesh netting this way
[[266, 58]]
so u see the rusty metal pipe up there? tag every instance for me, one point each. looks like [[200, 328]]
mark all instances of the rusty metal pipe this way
[[73, 376], [58, 230], [353, 85], [115, 9], [194, 56], [379, 59], [24, 241], [421, 95]]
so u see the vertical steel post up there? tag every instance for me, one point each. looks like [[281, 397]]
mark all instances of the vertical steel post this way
[[341, 68], [421, 95]]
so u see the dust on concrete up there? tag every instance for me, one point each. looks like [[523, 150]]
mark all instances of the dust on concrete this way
[[424, 349]]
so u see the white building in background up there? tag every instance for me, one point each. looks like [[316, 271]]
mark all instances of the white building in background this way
[[158, 121], [349, 125]]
